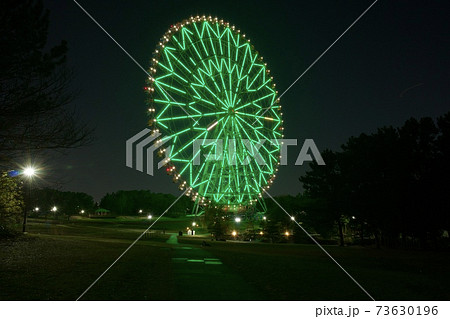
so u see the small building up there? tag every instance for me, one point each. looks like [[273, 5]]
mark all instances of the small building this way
[[100, 213]]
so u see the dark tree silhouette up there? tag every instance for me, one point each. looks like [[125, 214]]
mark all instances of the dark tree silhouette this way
[[217, 222], [325, 183], [34, 85], [67, 203], [131, 202], [393, 184]]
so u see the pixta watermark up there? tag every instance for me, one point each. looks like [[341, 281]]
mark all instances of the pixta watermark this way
[[141, 148]]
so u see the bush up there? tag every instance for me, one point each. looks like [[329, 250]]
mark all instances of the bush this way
[[8, 233], [11, 202]]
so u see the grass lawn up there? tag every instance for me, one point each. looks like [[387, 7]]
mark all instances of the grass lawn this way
[[304, 272], [59, 261]]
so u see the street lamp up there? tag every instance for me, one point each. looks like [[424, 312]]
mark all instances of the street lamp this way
[[140, 211], [237, 220], [29, 172], [54, 209], [82, 211], [292, 218], [234, 233], [264, 217], [149, 217]]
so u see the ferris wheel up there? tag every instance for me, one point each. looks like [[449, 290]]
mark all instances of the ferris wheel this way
[[213, 100]]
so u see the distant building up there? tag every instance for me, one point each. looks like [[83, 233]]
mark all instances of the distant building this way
[[100, 213]]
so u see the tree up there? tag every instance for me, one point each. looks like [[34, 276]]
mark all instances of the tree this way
[[217, 222], [326, 185], [34, 85], [131, 202], [11, 203], [442, 170], [393, 183], [67, 203], [371, 166]]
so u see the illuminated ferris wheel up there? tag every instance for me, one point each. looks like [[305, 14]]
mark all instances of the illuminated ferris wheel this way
[[211, 96]]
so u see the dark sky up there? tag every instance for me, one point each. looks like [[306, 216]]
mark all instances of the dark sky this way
[[356, 87]]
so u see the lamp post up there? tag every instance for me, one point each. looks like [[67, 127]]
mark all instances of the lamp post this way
[[29, 173]]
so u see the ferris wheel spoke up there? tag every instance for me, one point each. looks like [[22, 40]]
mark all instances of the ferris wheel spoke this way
[[246, 51], [200, 37], [167, 119], [191, 142], [170, 56], [256, 76], [198, 98], [262, 146], [258, 117], [202, 166], [269, 153], [253, 146], [244, 168], [209, 179], [172, 88], [214, 95], [179, 133], [189, 163]]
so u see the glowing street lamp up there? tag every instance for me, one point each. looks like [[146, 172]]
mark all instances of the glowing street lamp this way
[[82, 211], [140, 211], [149, 217], [54, 209], [234, 233], [194, 224], [292, 218], [287, 233], [36, 209], [237, 220], [29, 171], [264, 217]]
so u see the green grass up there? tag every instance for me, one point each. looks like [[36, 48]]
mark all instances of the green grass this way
[[59, 261]]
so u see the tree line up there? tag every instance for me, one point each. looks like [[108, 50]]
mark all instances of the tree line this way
[[390, 187], [136, 202], [120, 203]]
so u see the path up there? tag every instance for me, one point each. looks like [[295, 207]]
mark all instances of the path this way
[[198, 275]]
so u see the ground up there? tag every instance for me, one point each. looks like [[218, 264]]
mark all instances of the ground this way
[[60, 261]]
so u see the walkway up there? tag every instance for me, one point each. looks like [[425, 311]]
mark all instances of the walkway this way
[[198, 275]]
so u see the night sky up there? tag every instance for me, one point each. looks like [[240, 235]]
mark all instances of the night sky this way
[[392, 65]]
